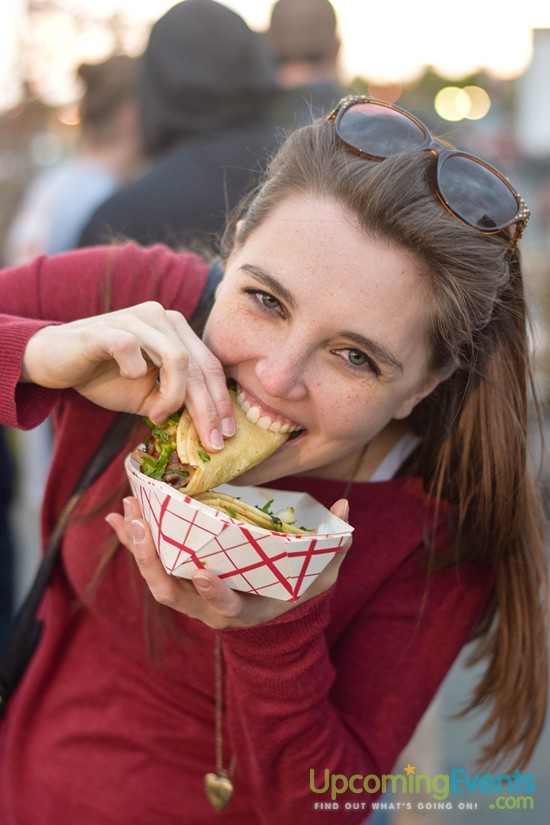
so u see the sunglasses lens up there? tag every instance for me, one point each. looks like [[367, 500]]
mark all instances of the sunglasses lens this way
[[476, 194], [378, 131]]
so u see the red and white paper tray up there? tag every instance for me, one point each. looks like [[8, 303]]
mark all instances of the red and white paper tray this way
[[190, 535]]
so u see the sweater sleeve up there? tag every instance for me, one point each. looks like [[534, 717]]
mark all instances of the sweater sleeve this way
[[318, 711], [21, 405], [80, 284]]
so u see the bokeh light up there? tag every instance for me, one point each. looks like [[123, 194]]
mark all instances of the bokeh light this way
[[454, 103], [480, 102], [390, 92]]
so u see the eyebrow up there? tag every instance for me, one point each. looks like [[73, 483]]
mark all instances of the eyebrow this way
[[271, 283], [377, 350]]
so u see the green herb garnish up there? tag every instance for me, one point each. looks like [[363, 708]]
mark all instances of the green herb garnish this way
[[203, 455], [164, 442]]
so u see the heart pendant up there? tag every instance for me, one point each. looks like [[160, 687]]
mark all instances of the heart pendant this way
[[219, 790]]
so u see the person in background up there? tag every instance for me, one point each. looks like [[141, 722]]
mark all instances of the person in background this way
[[372, 300], [206, 88], [53, 210], [108, 153], [303, 41]]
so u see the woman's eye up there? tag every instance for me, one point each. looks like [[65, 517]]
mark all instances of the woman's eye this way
[[269, 301], [357, 358], [264, 299], [359, 361]]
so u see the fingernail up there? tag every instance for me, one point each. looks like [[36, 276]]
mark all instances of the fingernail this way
[[202, 582], [138, 531], [216, 439], [345, 514], [127, 507], [228, 427]]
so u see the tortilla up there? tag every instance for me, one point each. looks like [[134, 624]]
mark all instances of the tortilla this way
[[174, 454], [259, 517], [248, 447]]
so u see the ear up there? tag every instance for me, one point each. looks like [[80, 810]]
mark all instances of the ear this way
[[432, 381]]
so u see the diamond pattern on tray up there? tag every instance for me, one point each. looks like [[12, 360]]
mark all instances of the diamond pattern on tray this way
[[189, 535]]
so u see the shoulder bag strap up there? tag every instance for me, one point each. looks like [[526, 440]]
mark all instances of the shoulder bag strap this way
[[26, 627]]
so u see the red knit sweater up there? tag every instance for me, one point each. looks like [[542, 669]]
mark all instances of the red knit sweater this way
[[114, 721]]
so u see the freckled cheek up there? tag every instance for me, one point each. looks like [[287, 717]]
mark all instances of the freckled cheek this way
[[355, 417], [226, 340], [342, 416], [235, 335]]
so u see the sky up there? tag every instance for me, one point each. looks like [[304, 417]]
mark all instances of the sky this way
[[393, 39], [385, 41]]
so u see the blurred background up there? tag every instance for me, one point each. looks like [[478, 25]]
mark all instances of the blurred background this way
[[477, 73]]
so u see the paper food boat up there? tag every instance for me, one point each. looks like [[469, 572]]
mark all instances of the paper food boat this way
[[189, 535]]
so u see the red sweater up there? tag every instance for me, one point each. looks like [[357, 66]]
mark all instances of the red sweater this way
[[105, 730]]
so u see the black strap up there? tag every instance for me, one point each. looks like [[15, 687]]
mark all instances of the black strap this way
[[202, 310], [112, 442], [26, 628]]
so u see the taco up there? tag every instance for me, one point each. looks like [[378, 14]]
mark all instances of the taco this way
[[174, 454], [280, 522]]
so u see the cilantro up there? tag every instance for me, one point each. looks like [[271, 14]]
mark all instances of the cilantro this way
[[161, 462], [276, 521], [267, 505], [203, 455], [231, 512], [164, 442], [148, 465]]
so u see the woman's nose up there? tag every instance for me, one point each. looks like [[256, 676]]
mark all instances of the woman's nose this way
[[282, 374]]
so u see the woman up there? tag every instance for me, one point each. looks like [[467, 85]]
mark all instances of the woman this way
[[392, 331]]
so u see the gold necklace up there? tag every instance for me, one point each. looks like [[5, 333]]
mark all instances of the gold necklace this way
[[357, 466], [219, 785]]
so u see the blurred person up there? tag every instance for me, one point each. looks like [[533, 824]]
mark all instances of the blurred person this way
[[53, 210], [303, 41], [406, 381], [108, 153], [206, 88]]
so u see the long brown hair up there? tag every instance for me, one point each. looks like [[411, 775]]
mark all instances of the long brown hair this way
[[476, 423]]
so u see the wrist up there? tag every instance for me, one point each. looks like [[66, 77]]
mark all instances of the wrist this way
[[32, 356]]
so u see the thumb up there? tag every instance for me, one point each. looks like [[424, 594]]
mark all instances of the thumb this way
[[341, 509], [226, 602]]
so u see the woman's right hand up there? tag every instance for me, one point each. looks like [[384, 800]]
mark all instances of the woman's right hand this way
[[144, 359]]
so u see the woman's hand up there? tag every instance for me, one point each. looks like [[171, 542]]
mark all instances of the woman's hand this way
[[144, 359], [207, 597]]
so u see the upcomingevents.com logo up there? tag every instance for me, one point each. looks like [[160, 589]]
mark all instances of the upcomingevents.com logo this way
[[440, 792]]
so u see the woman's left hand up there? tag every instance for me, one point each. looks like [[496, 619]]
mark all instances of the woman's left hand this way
[[206, 597]]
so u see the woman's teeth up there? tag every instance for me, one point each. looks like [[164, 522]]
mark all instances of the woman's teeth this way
[[265, 422]]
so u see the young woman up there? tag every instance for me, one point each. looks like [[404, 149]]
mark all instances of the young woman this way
[[372, 295]]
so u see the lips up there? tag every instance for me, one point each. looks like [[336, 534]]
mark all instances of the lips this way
[[264, 418]]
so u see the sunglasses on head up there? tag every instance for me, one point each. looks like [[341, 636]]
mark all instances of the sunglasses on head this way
[[470, 189]]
